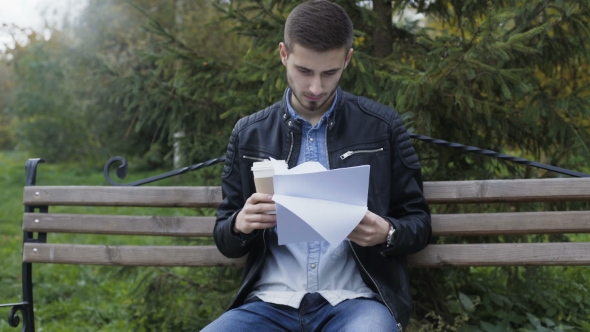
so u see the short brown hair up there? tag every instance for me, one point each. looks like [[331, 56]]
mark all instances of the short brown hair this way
[[319, 25]]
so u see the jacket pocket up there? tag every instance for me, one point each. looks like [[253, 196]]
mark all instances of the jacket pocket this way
[[253, 158], [375, 154], [353, 152]]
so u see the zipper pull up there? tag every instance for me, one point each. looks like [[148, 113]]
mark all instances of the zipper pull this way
[[346, 155]]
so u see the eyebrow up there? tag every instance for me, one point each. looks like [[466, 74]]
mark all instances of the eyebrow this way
[[325, 71]]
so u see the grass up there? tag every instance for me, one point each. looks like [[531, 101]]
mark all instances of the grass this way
[[74, 297]]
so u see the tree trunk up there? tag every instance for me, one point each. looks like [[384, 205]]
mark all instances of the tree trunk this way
[[383, 29], [179, 160]]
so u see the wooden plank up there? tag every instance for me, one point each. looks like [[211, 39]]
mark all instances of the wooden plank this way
[[120, 225], [515, 190], [497, 254], [503, 254], [510, 223], [122, 196], [442, 224], [485, 191], [126, 255]]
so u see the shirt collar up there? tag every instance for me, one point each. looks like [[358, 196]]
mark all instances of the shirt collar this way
[[296, 116]]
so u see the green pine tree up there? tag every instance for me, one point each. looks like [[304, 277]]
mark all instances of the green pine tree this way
[[510, 76]]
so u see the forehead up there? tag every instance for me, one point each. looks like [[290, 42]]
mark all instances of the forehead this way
[[317, 61]]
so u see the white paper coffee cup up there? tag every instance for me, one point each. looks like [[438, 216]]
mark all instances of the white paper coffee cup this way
[[263, 172]]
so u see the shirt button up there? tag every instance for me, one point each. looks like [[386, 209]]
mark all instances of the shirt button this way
[[312, 266], [311, 139]]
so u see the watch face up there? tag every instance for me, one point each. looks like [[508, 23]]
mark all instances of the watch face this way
[[390, 236]]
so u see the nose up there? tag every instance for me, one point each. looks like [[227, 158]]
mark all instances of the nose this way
[[315, 86]]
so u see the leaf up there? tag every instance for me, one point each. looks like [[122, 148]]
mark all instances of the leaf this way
[[469, 328], [466, 302], [536, 322], [490, 327], [549, 322]]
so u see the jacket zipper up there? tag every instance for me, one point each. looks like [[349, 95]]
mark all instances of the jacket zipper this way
[[374, 283], [253, 158], [327, 154], [344, 156], [291, 148], [350, 153]]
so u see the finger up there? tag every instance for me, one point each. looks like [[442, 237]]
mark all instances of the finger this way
[[260, 208], [259, 198], [358, 240], [369, 218], [361, 229], [262, 225], [261, 218], [249, 222]]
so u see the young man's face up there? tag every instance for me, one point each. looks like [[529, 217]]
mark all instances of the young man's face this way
[[313, 78]]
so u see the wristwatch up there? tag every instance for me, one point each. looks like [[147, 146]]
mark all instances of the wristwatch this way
[[390, 236]]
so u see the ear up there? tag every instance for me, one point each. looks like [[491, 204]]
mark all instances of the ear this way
[[283, 52], [348, 57]]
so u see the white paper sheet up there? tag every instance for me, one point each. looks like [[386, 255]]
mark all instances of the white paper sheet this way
[[314, 203]]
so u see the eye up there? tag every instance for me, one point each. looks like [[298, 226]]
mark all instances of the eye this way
[[330, 73], [304, 71]]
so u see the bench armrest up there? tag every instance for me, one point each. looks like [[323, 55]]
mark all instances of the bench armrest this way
[[13, 318]]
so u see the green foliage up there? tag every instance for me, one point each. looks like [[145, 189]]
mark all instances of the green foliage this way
[[524, 299], [49, 117], [510, 299], [94, 298], [194, 304], [505, 75]]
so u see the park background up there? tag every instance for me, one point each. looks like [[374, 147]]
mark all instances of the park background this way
[[152, 79]]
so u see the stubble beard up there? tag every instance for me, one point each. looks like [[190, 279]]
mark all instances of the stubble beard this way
[[311, 106]]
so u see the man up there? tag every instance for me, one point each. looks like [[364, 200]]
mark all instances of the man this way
[[361, 284]]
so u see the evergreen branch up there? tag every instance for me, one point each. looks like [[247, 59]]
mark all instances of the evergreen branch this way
[[143, 98], [269, 13]]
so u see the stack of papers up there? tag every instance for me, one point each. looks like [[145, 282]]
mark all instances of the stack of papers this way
[[315, 204]]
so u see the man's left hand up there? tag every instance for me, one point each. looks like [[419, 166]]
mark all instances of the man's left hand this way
[[372, 230]]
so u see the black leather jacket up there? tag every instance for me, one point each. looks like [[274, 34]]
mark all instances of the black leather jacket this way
[[360, 132]]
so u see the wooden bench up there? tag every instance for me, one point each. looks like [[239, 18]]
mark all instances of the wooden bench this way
[[38, 220]]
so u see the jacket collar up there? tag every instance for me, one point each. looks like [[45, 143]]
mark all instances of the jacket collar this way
[[295, 125]]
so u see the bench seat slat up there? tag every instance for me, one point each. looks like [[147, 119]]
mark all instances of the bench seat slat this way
[[485, 191], [503, 254], [119, 225], [126, 255], [442, 224], [122, 196], [497, 254]]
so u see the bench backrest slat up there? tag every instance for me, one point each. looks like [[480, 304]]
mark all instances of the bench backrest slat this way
[[122, 196], [496, 254], [503, 254], [496, 191], [487, 191], [121, 225], [126, 255], [474, 224]]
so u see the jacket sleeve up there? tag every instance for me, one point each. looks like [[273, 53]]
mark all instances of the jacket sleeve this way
[[408, 210], [230, 244]]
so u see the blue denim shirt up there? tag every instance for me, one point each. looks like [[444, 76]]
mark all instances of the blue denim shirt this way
[[293, 270]]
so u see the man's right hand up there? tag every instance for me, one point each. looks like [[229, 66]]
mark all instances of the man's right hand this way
[[254, 214]]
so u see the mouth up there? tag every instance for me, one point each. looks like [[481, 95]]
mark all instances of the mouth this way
[[313, 98]]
